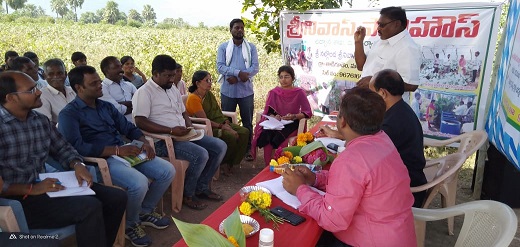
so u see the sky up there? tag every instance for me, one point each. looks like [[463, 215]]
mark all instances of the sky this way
[[211, 12]]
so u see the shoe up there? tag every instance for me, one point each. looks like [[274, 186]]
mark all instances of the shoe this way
[[194, 203], [210, 195], [137, 236], [154, 220]]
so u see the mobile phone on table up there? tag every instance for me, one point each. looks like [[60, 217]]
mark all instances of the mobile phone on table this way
[[333, 147], [288, 216], [137, 143]]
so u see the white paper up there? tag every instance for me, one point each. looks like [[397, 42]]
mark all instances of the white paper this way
[[274, 124], [328, 140], [276, 188], [70, 182]]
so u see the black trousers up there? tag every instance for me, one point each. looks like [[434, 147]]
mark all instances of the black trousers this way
[[97, 218]]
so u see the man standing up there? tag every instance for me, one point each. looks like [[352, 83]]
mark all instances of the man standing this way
[[408, 141], [159, 109], [94, 127], [56, 95], [27, 139], [237, 63], [396, 50], [116, 90], [475, 67]]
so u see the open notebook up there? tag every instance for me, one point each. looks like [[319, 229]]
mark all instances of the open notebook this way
[[276, 188], [69, 180]]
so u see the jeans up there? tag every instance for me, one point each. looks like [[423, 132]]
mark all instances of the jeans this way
[[142, 197], [246, 106], [97, 218], [204, 155]]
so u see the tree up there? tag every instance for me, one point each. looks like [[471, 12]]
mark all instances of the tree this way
[[149, 14], [14, 4], [266, 21], [31, 10], [74, 4], [111, 13], [89, 17], [59, 7], [133, 15]]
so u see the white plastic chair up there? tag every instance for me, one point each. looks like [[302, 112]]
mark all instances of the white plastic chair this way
[[468, 142], [486, 223], [442, 176]]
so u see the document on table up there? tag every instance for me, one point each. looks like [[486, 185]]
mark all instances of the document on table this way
[[274, 124], [70, 182], [276, 188]]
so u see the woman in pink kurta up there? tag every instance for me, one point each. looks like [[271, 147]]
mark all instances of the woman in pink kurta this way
[[283, 102], [368, 199]]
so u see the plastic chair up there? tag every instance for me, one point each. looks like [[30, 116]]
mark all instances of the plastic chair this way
[[302, 127], [486, 223], [20, 223], [205, 123], [468, 143], [442, 176]]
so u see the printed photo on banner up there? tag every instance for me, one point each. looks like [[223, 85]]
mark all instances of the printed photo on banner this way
[[456, 43]]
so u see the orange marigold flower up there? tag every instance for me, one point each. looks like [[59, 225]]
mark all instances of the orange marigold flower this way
[[283, 160], [309, 136], [288, 155], [233, 241]]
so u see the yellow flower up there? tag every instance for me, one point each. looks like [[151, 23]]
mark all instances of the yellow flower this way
[[246, 208], [266, 201], [301, 143], [273, 163], [233, 241], [288, 155], [309, 136], [297, 159], [283, 160]]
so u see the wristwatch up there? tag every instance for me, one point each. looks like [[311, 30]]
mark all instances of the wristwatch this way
[[78, 163]]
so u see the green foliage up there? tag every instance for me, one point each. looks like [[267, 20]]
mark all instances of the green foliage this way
[[134, 23], [111, 14], [194, 48], [59, 7], [266, 17], [89, 17], [14, 4], [31, 10], [75, 4], [133, 15], [149, 14]]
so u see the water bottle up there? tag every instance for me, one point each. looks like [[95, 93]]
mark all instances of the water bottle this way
[[266, 238]]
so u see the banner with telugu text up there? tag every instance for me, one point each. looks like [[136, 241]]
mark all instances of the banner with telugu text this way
[[457, 44], [503, 124]]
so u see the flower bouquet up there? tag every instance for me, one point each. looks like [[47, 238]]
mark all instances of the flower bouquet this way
[[259, 200], [203, 235]]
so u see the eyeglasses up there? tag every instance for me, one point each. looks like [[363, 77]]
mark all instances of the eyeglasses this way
[[208, 81], [284, 77], [32, 91], [383, 25]]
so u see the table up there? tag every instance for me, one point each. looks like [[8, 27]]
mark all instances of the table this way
[[305, 234], [327, 120]]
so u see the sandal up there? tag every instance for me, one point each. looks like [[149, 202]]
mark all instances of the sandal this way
[[249, 157], [210, 195], [193, 203]]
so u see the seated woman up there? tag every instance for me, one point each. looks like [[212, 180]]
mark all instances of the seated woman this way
[[131, 73], [284, 102], [202, 103], [368, 201]]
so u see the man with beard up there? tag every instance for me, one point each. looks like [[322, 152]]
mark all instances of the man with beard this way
[[237, 63], [395, 50], [95, 128], [56, 95], [27, 139], [158, 108], [116, 90]]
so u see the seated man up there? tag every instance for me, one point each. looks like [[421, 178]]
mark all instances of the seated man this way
[[94, 127], [403, 127], [27, 139], [367, 200], [9, 56], [27, 66], [78, 59], [31, 55], [158, 108], [56, 95], [116, 90]]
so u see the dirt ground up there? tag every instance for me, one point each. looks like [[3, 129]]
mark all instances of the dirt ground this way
[[436, 233]]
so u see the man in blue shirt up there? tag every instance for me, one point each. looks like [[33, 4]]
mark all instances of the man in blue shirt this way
[[237, 63], [27, 138], [94, 127]]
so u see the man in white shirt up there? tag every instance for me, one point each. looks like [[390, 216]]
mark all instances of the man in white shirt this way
[[116, 90], [177, 80], [27, 66], [475, 67], [396, 50], [56, 95]]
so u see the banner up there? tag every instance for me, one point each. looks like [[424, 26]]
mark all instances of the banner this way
[[457, 44], [503, 123]]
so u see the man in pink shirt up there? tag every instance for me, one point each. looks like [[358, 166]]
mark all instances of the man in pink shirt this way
[[368, 199]]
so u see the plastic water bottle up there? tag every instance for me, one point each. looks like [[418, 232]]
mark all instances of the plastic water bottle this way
[[266, 238]]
